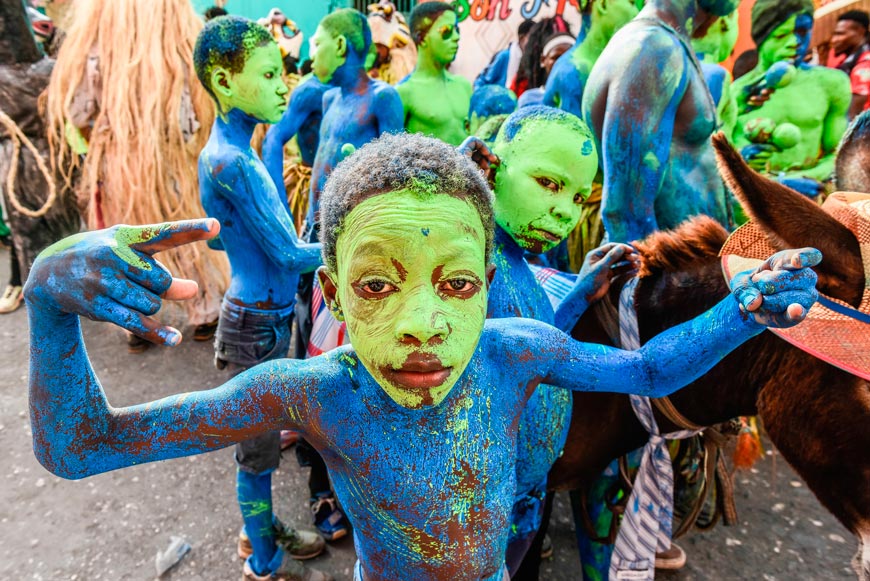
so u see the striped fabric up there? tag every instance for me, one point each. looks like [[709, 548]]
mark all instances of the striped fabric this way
[[646, 524]]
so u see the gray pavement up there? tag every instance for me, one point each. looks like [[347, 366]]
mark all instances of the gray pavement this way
[[111, 526]]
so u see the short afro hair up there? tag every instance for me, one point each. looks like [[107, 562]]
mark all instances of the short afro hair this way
[[857, 16], [490, 100], [423, 16], [353, 26], [226, 41], [404, 161], [514, 124]]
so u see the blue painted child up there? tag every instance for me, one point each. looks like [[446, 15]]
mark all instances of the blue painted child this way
[[239, 64], [418, 420]]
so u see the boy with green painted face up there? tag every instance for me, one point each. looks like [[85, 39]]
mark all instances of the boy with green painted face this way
[[547, 164], [781, 30], [418, 419], [435, 101]]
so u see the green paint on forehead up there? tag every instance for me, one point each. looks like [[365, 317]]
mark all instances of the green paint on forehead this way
[[547, 171], [410, 246]]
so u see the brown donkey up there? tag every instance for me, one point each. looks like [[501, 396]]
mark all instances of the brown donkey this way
[[817, 415]]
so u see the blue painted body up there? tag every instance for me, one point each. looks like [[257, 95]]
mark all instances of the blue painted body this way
[[429, 490], [495, 72], [565, 84], [648, 104], [355, 111], [302, 118], [257, 231]]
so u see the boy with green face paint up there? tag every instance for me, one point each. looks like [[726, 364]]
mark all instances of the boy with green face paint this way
[[240, 65], [781, 30], [547, 164], [435, 101], [418, 420]]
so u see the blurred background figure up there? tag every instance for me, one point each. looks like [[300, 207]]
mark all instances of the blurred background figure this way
[[502, 69], [40, 209], [125, 109], [396, 53], [547, 41], [287, 35], [850, 52]]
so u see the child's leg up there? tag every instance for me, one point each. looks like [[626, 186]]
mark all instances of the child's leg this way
[[328, 518], [595, 557], [256, 459]]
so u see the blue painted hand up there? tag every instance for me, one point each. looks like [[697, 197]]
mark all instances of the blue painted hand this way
[[111, 275], [781, 290]]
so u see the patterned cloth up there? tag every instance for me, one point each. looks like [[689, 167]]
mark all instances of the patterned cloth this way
[[646, 524]]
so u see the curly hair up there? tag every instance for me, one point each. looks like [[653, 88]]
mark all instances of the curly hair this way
[[226, 41], [400, 162], [530, 69]]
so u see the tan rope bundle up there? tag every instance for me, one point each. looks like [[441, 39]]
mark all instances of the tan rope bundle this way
[[18, 138]]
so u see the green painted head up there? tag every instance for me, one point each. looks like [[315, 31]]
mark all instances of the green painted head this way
[[548, 163], [407, 262], [435, 29], [781, 44], [719, 39], [239, 64], [342, 36], [611, 15]]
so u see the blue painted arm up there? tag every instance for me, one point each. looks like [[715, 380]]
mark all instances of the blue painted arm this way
[[495, 72], [305, 100], [600, 266], [389, 110], [769, 295], [106, 275], [636, 140], [263, 214]]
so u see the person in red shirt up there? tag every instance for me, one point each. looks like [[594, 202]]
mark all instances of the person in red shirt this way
[[851, 54]]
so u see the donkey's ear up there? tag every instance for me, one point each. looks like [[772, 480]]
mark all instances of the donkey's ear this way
[[791, 220]]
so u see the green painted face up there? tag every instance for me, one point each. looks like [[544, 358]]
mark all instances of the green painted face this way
[[259, 89], [719, 41], [411, 283], [545, 174], [329, 53], [442, 40], [781, 45], [615, 14]]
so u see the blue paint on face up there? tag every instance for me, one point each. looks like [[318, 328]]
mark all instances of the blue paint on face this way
[[803, 30]]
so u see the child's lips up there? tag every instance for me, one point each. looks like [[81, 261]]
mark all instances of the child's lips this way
[[419, 371]]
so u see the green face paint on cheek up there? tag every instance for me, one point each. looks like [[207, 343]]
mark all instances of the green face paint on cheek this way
[[325, 60], [258, 89], [411, 279], [781, 45], [546, 172]]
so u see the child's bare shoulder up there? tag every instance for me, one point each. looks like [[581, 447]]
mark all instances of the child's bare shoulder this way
[[515, 333]]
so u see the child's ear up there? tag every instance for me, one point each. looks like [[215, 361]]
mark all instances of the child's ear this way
[[341, 49], [490, 275], [327, 285], [220, 82]]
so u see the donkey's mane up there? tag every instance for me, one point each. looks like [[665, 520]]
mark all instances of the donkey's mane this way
[[699, 238]]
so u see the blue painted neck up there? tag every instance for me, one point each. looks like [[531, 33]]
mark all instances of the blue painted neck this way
[[676, 13], [236, 127], [507, 245], [351, 76]]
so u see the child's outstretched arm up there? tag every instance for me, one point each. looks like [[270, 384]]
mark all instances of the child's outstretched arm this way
[[110, 275], [778, 293]]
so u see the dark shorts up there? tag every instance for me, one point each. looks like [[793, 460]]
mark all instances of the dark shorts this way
[[244, 338]]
